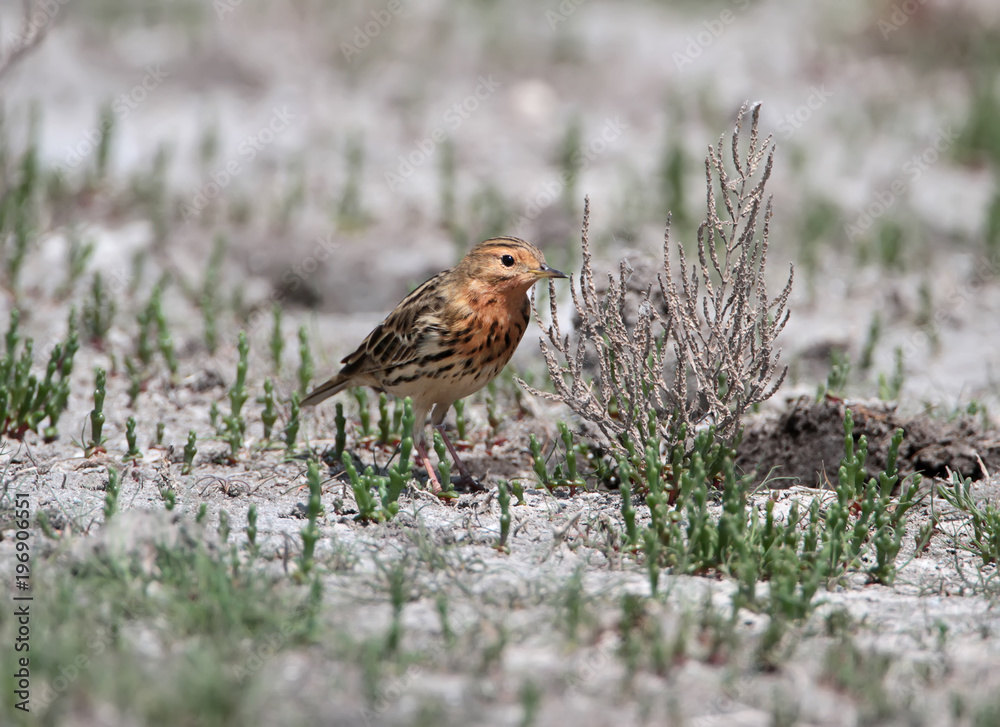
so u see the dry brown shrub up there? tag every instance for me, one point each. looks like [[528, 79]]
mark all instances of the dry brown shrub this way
[[698, 348]]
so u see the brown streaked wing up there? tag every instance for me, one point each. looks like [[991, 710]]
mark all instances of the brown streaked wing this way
[[404, 335]]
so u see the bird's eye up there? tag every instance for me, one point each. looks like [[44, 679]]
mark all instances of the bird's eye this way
[[507, 260]]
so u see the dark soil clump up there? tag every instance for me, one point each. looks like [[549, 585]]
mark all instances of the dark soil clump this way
[[805, 444]]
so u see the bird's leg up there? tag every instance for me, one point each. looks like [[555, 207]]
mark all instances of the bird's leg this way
[[432, 478], [466, 475]]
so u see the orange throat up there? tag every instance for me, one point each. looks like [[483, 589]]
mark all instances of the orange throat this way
[[505, 304], [501, 316]]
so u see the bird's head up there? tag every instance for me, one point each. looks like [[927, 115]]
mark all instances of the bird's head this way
[[507, 264]]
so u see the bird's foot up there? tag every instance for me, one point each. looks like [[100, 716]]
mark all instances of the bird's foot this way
[[425, 460], [462, 469], [469, 483]]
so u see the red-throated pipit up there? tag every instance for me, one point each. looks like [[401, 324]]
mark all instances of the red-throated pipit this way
[[449, 337]]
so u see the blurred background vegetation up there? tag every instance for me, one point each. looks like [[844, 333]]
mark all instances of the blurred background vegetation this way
[[345, 151]]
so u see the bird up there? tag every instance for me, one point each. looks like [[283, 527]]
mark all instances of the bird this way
[[448, 338]]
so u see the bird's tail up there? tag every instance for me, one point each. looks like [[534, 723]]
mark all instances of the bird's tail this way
[[325, 390]]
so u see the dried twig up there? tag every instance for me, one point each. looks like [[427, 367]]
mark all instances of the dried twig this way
[[31, 35], [710, 355]]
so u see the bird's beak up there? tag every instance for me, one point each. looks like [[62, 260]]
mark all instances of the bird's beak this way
[[546, 272]]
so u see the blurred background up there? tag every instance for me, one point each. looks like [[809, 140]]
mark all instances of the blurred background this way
[[329, 156]]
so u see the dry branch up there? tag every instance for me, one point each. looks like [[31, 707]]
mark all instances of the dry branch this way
[[703, 353], [31, 35]]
